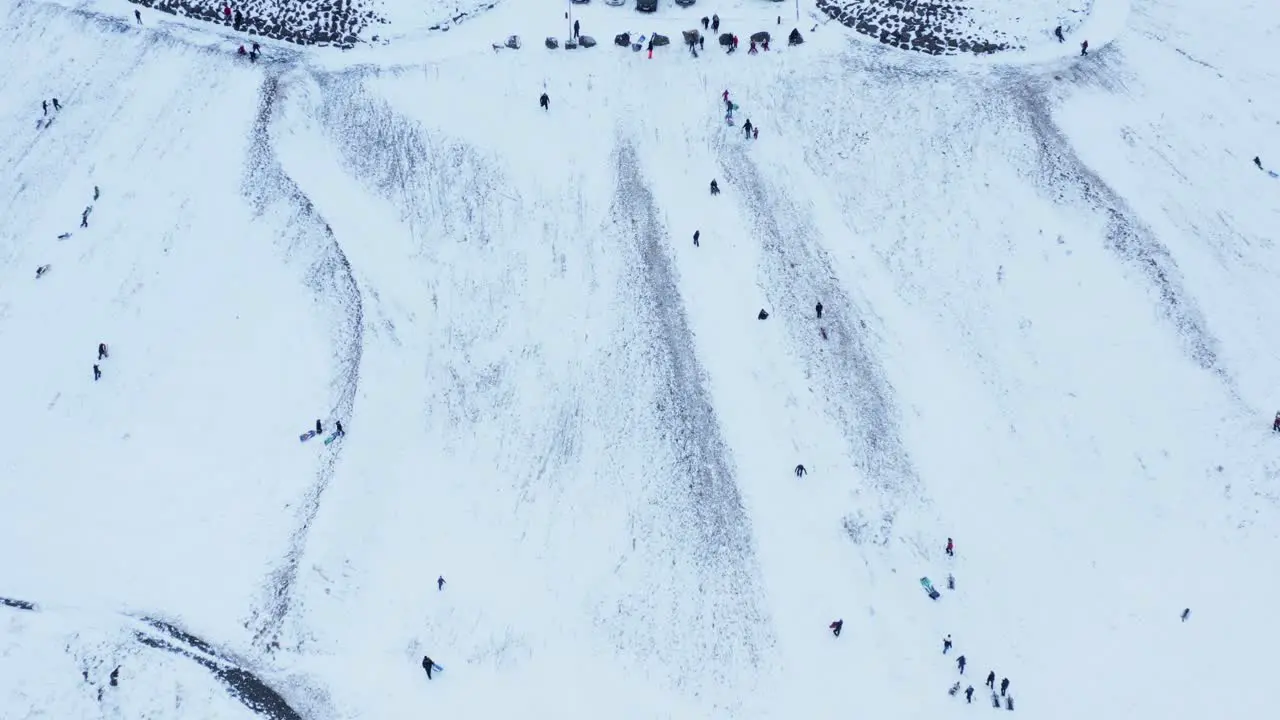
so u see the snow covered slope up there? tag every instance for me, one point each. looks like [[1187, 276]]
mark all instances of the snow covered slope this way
[[1045, 333]]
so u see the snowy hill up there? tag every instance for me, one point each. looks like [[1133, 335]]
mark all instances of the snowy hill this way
[[1046, 333]]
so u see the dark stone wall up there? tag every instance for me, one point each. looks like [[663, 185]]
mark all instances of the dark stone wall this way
[[943, 27], [305, 22]]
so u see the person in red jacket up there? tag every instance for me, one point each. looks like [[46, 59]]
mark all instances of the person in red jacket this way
[[951, 547], [835, 627]]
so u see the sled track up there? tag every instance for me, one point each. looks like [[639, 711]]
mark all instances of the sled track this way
[[1132, 241], [331, 277], [852, 382], [709, 508]]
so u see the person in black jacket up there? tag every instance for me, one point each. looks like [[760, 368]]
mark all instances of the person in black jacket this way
[[427, 665], [545, 102]]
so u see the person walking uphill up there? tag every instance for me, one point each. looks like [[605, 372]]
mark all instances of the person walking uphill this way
[[1004, 686], [946, 644], [1084, 48], [951, 548], [544, 102], [960, 662], [715, 190], [835, 627], [427, 664], [991, 679]]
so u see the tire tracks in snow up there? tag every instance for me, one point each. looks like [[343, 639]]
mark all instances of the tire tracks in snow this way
[[331, 278], [720, 532], [850, 379]]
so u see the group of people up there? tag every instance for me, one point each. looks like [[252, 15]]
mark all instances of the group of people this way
[[751, 131], [1084, 46]]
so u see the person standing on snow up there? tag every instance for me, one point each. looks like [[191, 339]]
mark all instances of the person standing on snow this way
[[835, 627], [960, 662], [1257, 161], [1275, 426], [951, 548], [800, 471], [319, 427], [715, 23], [575, 29], [440, 583], [818, 308], [44, 105], [1004, 685], [1084, 48], [755, 133], [747, 127], [1186, 612], [946, 644], [84, 217], [56, 106], [1058, 33], [96, 373], [427, 664], [545, 102], [696, 234], [706, 22], [137, 15], [341, 432], [715, 190], [968, 694], [991, 679], [102, 350]]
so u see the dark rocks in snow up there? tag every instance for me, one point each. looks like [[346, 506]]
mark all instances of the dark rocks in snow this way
[[337, 23], [940, 27], [17, 604]]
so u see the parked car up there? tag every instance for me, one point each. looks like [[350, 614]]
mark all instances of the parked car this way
[[646, 6], [615, 3], [685, 3]]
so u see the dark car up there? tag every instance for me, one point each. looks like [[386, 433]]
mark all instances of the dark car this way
[[646, 5], [685, 3]]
